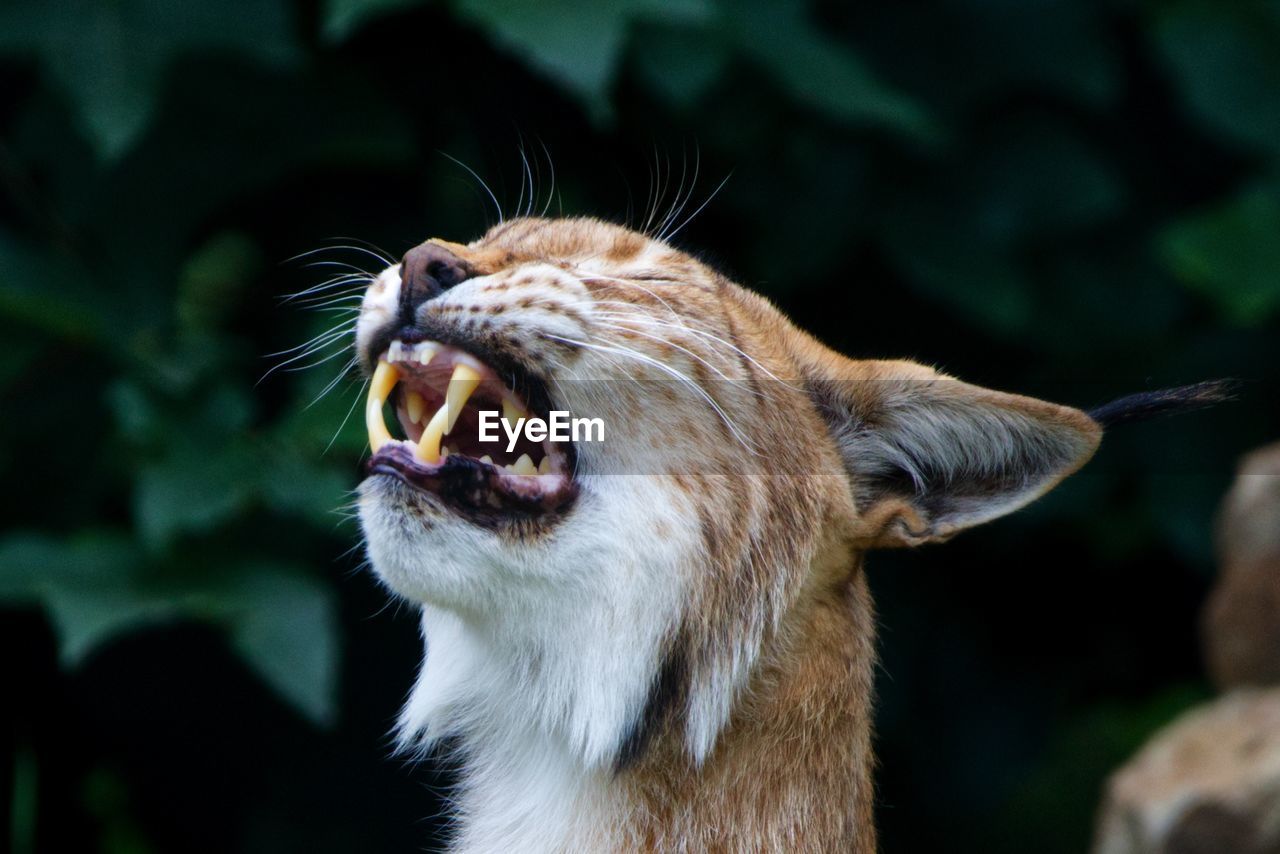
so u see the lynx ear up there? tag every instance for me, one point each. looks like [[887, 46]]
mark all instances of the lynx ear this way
[[928, 455]]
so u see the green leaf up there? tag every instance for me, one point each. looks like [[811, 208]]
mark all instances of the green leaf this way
[[1224, 60], [98, 585], [578, 43], [679, 63], [294, 483], [214, 279], [1035, 180], [819, 72], [344, 17], [110, 56], [192, 489], [86, 619], [30, 563], [962, 234], [48, 292], [1230, 254], [87, 583], [950, 266], [285, 625]]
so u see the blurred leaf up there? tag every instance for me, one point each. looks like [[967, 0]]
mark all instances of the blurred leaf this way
[[193, 488], [949, 264], [87, 584], [285, 625], [97, 586], [48, 292], [86, 618], [1061, 45], [106, 796], [576, 42], [344, 17], [30, 562], [296, 484], [818, 71], [1224, 58], [1231, 254], [136, 415], [110, 56], [1034, 180], [149, 208], [214, 279], [680, 63], [962, 238]]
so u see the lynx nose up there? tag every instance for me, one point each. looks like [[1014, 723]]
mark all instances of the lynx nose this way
[[428, 270]]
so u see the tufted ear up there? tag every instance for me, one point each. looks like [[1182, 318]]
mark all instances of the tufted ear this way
[[928, 455]]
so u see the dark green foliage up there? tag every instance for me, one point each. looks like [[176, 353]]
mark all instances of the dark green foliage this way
[[1072, 199]]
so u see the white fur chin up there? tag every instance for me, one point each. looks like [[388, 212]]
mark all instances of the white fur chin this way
[[540, 658]]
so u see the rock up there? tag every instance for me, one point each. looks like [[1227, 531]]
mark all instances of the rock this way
[[1241, 622], [1209, 783]]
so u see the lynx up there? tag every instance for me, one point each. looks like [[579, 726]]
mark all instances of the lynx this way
[[663, 641]]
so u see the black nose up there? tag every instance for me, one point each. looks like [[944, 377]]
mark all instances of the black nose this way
[[428, 270]]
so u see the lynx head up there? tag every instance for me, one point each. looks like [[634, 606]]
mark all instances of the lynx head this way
[[601, 594]]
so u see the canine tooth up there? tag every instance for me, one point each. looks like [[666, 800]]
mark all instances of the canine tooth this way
[[464, 381], [378, 433], [395, 352], [416, 404], [544, 467], [428, 447], [512, 411], [384, 379], [487, 460], [525, 465]]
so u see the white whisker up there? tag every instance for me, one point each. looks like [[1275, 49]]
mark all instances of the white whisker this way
[[646, 359]]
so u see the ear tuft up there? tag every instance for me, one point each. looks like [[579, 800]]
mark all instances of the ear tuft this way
[[1169, 401], [928, 455]]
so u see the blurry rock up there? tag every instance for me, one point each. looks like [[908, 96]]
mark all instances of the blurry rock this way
[[1209, 783], [1241, 623]]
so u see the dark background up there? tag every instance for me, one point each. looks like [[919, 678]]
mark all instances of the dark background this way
[[1070, 199]]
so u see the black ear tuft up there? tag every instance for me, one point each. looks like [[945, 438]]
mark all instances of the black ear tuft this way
[[1169, 401]]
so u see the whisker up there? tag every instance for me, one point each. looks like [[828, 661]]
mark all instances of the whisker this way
[[367, 250], [681, 198], [310, 350], [669, 343], [359, 396], [351, 363], [551, 193], [646, 359], [497, 207], [337, 328], [689, 218], [654, 322]]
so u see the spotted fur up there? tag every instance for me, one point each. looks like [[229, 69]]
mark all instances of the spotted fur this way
[[683, 660]]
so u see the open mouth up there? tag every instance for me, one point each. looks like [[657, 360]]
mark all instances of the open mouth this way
[[459, 422]]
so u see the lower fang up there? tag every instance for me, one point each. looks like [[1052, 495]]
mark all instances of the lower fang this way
[[428, 447], [415, 405]]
